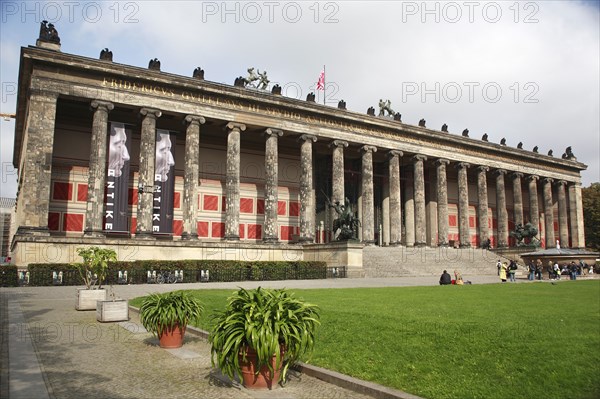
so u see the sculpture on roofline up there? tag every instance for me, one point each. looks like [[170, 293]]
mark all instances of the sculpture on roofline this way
[[484, 137], [465, 133], [385, 106], [445, 128], [48, 33]]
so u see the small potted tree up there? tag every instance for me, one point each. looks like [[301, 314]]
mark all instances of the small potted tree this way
[[260, 334], [167, 316], [93, 272]]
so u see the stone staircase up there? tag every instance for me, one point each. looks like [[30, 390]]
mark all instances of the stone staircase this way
[[412, 261]]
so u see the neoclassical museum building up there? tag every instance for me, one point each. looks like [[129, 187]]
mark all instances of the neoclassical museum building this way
[[162, 166]]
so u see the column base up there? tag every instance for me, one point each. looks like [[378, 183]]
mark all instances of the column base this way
[[189, 236], [464, 246], [420, 244], [271, 240], [443, 244], [232, 238], [369, 242], [306, 240], [395, 244]]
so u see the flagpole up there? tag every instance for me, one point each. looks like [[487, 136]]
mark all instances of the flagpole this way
[[324, 85]]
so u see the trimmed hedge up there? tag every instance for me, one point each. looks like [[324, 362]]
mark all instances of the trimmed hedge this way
[[41, 274], [9, 276]]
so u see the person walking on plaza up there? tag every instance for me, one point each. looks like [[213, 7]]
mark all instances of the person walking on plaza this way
[[499, 266], [445, 278], [531, 270], [512, 268], [503, 272], [538, 269]]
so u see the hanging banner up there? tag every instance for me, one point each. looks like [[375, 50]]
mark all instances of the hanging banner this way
[[117, 179], [164, 183]]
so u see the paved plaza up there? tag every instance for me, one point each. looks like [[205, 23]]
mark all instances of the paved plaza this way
[[54, 351]]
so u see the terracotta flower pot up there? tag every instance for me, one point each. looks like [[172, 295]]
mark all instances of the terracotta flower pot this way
[[172, 338], [262, 379]]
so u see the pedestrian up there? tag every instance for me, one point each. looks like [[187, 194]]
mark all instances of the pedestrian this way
[[458, 278], [531, 270], [502, 273], [538, 269], [499, 266], [512, 269], [556, 271], [573, 269]]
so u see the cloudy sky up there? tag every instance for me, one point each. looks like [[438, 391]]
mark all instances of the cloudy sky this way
[[525, 71]]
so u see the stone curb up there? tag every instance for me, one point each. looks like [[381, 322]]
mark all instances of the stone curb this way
[[329, 376]]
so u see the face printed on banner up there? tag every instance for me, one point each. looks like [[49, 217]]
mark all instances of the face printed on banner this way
[[164, 157], [117, 150]]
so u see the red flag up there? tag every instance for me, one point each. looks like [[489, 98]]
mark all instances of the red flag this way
[[321, 82]]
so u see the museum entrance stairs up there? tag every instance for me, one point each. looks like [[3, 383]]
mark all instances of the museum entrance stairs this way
[[426, 261]]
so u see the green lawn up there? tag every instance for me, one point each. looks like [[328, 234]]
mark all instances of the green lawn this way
[[482, 341]]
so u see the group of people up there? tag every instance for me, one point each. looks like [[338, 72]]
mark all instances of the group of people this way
[[446, 279], [535, 269]]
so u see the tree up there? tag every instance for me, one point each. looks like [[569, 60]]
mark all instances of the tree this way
[[591, 215]]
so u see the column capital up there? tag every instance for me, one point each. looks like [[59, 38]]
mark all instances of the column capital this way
[[368, 148], [236, 126], [272, 132], [463, 165], [307, 137], [548, 180], [533, 177], [515, 175], [419, 157], [442, 161], [561, 183], [151, 112], [483, 168], [102, 105], [395, 153], [500, 172], [338, 143], [194, 119]]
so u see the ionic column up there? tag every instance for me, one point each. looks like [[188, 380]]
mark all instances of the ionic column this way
[[35, 171], [190, 177], [271, 227], [463, 206], [368, 211], [419, 195], [232, 182], [307, 206], [146, 171], [395, 197], [576, 208], [501, 212], [482, 204], [96, 178], [534, 210], [337, 177], [517, 198], [409, 215], [563, 227], [548, 213], [442, 202]]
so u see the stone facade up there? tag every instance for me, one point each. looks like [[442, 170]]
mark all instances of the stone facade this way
[[254, 170]]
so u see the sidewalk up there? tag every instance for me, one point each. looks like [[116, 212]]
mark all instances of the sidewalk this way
[[55, 351]]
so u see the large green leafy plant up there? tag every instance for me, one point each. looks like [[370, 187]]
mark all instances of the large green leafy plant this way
[[272, 322], [95, 265], [159, 312]]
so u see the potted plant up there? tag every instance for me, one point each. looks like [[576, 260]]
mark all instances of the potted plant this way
[[113, 309], [260, 333], [167, 316], [93, 272]]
